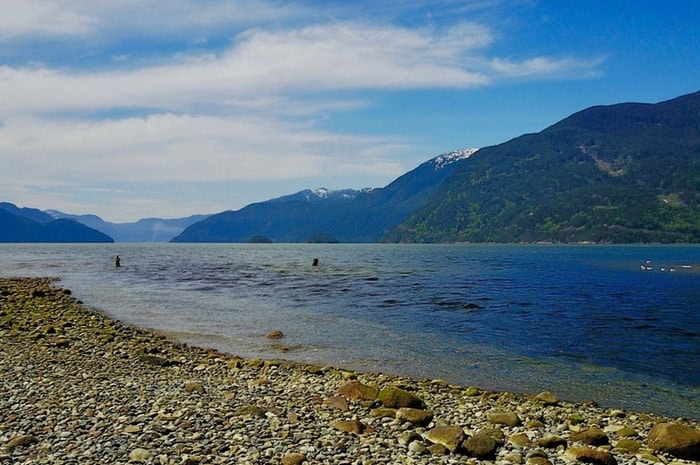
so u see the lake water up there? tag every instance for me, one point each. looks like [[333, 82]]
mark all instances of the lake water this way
[[586, 322]]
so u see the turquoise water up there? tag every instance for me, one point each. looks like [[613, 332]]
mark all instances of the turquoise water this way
[[586, 322]]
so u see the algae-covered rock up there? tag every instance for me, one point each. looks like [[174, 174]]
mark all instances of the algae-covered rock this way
[[399, 398], [627, 445], [678, 440]]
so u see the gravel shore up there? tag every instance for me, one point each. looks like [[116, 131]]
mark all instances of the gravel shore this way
[[80, 388]]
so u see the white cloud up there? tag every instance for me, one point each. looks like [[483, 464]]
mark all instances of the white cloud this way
[[178, 148], [547, 67], [111, 19], [42, 17], [329, 57]]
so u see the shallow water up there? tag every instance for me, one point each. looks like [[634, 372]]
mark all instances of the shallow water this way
[[583, 321]]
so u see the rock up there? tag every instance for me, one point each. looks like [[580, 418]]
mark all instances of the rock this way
[[450, 437], [383, 412], [472, 391], [627, 433], [416, 417], [481, 446], [538, 461], [140, 455], [251, 411], [438, 449], [349, 426], [534, 424], [21, 441], [594, 456], [293, 458], [504, 418], [520, 440], [628, 445], [337, 402], [408, 437], [195, 387], [551, 441], [355, 390], [591, 437], [514, 457], [546, 398], [417, 448], [399, 398], [276, 334], [676, 439]]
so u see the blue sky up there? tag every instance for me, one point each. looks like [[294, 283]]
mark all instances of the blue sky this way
[[138, 108]]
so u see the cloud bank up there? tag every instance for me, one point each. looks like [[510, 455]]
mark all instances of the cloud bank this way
[[248, 109]]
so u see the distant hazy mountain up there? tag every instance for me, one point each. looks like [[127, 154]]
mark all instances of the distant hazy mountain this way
[[346, 215], [16, 228], [31, 213], [323, 195], [144, 230], [620, 173]]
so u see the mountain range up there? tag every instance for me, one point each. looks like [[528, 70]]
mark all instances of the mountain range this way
[[345, 216], [608, 174]]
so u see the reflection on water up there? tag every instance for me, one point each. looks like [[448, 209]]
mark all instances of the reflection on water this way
[[584, 321]]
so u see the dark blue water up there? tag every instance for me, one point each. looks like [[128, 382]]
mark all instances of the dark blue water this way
[[584, 321]]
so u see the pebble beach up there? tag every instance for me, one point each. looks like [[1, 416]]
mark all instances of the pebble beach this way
[[81, 388]]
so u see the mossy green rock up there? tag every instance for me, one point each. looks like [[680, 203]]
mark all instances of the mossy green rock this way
[[627, 445], [472, 392], [399, 398], [678, 440], [627, 433]]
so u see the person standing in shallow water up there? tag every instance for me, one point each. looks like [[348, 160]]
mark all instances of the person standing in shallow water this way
[[118, 261]]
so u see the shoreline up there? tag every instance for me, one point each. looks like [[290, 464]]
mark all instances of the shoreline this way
[[80, 386]]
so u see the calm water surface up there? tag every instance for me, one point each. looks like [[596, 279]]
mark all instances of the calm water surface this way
[[583, 321]]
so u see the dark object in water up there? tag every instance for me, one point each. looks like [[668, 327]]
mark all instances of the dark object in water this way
[[118, 261], [315, 262]]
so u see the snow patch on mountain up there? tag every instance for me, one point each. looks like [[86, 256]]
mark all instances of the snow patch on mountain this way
[[448, 158]]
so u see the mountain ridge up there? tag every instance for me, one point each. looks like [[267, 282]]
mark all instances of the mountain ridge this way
[[619, 173]]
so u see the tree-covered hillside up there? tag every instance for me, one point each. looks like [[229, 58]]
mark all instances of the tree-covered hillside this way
[[621, 173]]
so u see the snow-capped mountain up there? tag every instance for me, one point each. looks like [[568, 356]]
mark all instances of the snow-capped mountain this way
[[450, 157]]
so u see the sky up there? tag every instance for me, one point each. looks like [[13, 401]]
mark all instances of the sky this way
[[148, 108]]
